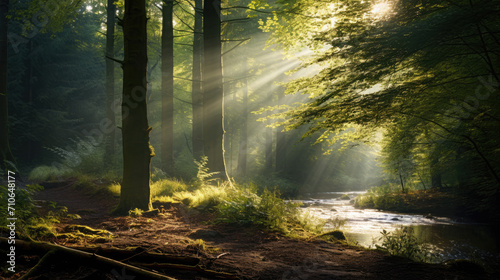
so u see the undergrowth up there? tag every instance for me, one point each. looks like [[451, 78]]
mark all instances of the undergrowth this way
[[33, 221], [402, 242]]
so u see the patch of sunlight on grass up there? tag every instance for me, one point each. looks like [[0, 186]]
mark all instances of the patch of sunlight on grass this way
[[115, 189], [206, 196], [163, 199], [49, 173], [167, 187]]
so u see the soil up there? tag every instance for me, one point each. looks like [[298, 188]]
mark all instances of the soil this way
[[244, 252]]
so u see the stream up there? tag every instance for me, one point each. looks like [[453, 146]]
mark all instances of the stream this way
[[451, 239]]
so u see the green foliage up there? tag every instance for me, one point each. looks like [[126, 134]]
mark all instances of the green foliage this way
[[24, 208], [33, 222], [268, 211], [83, 159], [287, 187], [49, 173], [205, 197], [167, 187], [401, 242], [203, 176], [383, 197], [135, 212]]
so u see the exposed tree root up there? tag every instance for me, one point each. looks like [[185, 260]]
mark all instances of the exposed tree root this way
[[206, 272], [86, 258], [39, 266], [139, 255]]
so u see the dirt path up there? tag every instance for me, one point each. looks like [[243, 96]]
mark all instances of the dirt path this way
[[248, 253]]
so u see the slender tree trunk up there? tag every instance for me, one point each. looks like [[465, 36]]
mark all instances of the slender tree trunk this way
[[28, 99], [5, 153], [213, 93], [137, 151], [167, 89], [281, 142], [110, 84], [243, 149], [197, 91], [435, 175], [402, 182], [268, 134]]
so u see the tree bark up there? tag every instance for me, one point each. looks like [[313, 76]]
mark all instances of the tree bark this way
[[243, 148], [167, 89], [281, 142], [213, 93], [5, 152], [268, 142], [435, 175], [137, 151], [110, 84], [197, 90]]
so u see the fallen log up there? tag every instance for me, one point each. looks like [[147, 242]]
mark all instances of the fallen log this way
[[139, 255], [198, 269], [89, 259]]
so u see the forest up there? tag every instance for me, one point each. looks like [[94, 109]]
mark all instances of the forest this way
[[250, 139]]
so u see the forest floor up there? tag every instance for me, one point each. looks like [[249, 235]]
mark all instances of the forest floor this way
[[243, 252]]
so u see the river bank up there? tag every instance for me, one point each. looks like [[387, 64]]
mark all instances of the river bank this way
[[242, 252]]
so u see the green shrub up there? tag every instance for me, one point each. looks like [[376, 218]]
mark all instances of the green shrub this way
[[46, 173], [244, 206], [402, 242], [206, 196]]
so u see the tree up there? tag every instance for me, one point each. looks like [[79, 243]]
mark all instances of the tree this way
[[197, 90], [213, 92], [137, 151], [110, 82], [243, 146], [281, 141], [5, 153], [167, 88]]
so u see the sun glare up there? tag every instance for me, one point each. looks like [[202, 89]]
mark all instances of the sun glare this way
[[381, 9]]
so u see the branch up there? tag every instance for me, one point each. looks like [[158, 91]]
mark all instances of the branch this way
[[235, 40], [235, 20], [115, 60], [237, 45], [184, 22], [270, 12], [189, 268]]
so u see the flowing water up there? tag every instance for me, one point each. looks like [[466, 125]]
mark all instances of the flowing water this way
[[452, 239]]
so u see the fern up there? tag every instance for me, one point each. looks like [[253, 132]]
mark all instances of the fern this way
[[204, 176]]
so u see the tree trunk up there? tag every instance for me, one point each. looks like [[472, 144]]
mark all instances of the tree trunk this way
[[213, 93], [402, 182], [197, 91], [137, 151], [435, 176], [268, 134], [167, 89], [28, 146], [281, 143], [110, 84], [243, 149], [5, 153]]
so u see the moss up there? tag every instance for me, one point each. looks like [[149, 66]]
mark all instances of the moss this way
[[336, 234], [41, 230], [80, 232]]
